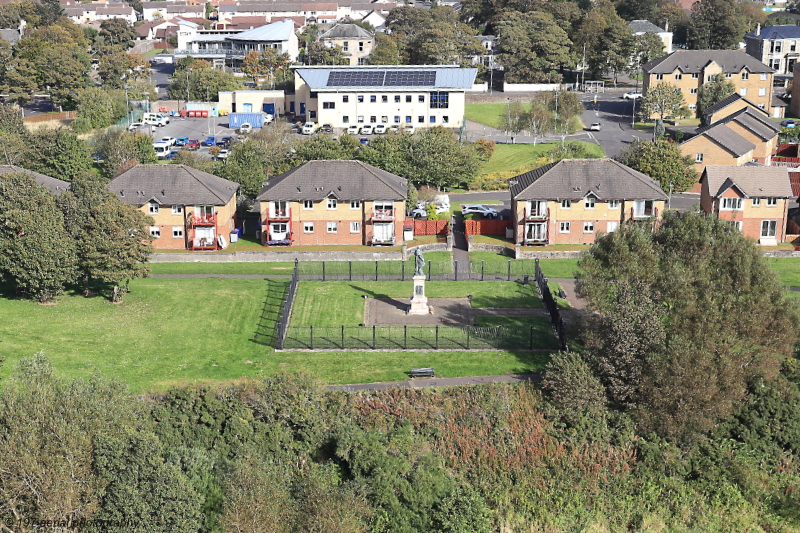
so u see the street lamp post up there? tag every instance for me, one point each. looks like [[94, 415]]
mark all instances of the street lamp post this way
[[508, 113]]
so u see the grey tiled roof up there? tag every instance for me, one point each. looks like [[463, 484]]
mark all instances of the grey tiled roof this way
[[346, 31], [781, 31], [694, 61], [729, 139], [753, 181], [749, 118], [10, 35], [573, 179], [728, 100], [347, 180], [172, 185], [644, 26], [56, 186]]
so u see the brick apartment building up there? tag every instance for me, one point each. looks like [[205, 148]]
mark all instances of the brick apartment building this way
[[571, 201], [753, 197], [333, 202], [190, 208], [688, 70]]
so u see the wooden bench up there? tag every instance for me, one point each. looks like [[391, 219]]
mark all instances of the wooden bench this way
[[422, 373]]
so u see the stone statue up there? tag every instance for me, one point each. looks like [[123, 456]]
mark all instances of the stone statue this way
[[659, 130], [419, 262]]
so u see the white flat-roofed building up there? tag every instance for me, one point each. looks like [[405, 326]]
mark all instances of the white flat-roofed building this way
[[236, 43], [419, 96]]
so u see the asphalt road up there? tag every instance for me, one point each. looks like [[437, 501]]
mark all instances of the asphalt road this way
[[161, 74]]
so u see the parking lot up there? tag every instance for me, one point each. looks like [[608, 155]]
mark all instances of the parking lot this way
[[193, 128]]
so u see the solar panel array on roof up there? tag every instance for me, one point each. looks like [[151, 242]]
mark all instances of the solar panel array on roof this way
[[390, 78]]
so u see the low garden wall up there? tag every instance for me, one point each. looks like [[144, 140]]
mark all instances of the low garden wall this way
[[273, 257], [541, 254], [432, 247], [495, 248], [781, 253]]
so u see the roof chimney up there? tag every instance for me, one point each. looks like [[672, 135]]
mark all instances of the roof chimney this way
[[758, 29], [666, 24]]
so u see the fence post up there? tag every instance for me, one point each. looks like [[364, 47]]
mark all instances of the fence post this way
[[481, 269], [531, 341], [323, 271], [295, 266], [509, 270], [342, 336], [437, 337], [376, 271], [405, 337], [312, 337], [403, 266], [468, 328], [500, 336], [351, 270], [456, 269], [373, 337], [429, 270]]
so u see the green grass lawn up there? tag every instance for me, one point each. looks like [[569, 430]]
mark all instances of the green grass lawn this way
[[787, 268], [543, 335], [519, 157], [171, 332], [487, 114], [341, 304]]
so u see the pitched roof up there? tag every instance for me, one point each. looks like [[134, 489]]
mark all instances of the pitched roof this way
[[644, 26], [729, 139], [277, 31], [346, 31], [694, 61], [781, 31], [750, 119], [728, 100], [56, 186], [388, 78], [754, 182], [172, 185], [347, 180], [9, 35], [573, 179]]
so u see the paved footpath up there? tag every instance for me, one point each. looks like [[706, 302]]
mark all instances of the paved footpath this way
[[439, 382]]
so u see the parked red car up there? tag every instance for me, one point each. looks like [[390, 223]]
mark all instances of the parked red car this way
[[192, 144]]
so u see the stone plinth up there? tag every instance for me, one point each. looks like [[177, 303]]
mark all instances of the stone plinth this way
[[419, 302]]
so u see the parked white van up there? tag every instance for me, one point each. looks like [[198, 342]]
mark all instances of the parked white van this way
[[162, 149], [155, 119]]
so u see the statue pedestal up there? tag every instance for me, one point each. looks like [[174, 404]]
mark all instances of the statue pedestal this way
[[419, 302]]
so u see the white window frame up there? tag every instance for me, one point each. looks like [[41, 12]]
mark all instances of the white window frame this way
[[308, 227], [693, 90], [772, 202], [762, 91], [728, 75], [678, 76], [588, 227], [692, 107], [564, 227], [698, 158], [743, 91], [695, 75], [612, 226], [333, 203], [537, 206], [308, 205], [155, 231], [613, 204], [177, 232], [589, 202], [756, 202], [745, 76], [177, 209], [152, 208], [355, 204], [764, 76], [737, 224], [659, 77], [730, 204], [355, 227], [333, 227], [772, 228], [566, 204]]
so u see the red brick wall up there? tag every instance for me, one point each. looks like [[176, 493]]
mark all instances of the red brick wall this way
[[320, 235]]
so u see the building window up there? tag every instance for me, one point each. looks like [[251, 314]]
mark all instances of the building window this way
[[332, 204], [695, 76], [355, 204], [384, 119], [792, 46], [328, 105], [397, 98], [768, 228], [588, 203], [776, 64], [360, 119], [445, 119], [312, 114], [360, 98], [421, 99], [566, 204], [346, 46], [611, 227], [373, 119], [373, 98], [152, 208], [355, 227], [440, 100], [731, 204], [408, 119], [756, 202], [698, 158], [678, 76], [433, 120], [360, 46], [345, 98], [563, 227], [737, 224], [155, 231], [421, 119], [764, 76], [761, 106], [308, 227], [693, 90], [333, 227], [745, 75], [659, 77], [728, 75], [613, 204], [396, 119], [772, 202], [743, 91], [408, 98], [177, 232], [692, 107], [709, 78], [762, 91], [177, 209], [345, 119], [308, 204], [384, 99], [588, 227]]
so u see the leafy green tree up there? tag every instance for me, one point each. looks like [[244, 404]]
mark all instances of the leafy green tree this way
[[11, 119], [120, 68], [715, 340], [50, 11], [317, 53], [715, 25], [258, 497], [539, 119], [714, 91], [63, 69], [12, 13], [17, 76], [532, 46], [203, 83], [320, 147], [663, 161], [615, 49], [13, 148], [262, 156], [117, 33], [433, 37], [121, 150], [386, 51], [58, 153], [638, 9], [572, 385], [512, 119], [94, 105], [645, 48], [662, 98], [36, 254]]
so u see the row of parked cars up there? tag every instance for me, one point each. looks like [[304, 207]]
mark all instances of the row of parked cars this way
[[310, 128], [441, 204], [168, 147]]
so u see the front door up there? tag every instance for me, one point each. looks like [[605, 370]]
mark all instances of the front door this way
[[269, 109], [536, 232], [247, 108], [384, 232], [278, 230], [302, 109]]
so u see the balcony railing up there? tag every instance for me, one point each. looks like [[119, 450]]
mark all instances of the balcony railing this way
[[212, 52], [536, 215], [647, 212], [383, 215], [203, 219], [279, 214]]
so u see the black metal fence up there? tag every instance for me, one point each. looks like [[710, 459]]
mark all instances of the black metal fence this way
[[286, 312], [409, 338], [404, 270], [552, 307]]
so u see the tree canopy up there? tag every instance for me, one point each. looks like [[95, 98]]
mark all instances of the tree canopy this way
[[663, 161], [714, 91]]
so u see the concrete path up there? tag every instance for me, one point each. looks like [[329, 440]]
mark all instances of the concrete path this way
[[439, 382], [460, 247]]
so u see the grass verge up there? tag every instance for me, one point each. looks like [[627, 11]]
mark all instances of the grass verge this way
[[515, 159], [787, 269], [543, 335]]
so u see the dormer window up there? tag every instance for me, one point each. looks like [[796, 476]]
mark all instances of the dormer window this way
[[745, 75], [152, 208]]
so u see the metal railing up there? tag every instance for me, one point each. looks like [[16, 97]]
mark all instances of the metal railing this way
[[511, 270], [552, 307], [286, 312]]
